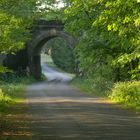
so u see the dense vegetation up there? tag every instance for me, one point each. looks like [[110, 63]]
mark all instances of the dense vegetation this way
[[11, 90], [109, 41], [108, 34], [16, 21], [127, 93], [62, 54], [16, 18], [12, 94]]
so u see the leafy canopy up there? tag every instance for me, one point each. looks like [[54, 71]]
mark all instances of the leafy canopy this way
[[109, 34]]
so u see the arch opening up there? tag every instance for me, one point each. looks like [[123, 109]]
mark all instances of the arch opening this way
[[34, 51]]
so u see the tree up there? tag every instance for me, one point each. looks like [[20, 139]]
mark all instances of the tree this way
[[62, 54], [16, 20], [109, 36], [54, 9]]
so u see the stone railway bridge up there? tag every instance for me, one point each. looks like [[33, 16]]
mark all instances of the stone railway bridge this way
[[30, 57]]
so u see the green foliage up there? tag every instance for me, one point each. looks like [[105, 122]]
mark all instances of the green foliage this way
[[3, 101], [108, 35], [54, 9], [83, 84], [11, 94], [127, 93], [56, 14], [62, 54], [11, 88], [91, 86], [15, 20], [4, 69]]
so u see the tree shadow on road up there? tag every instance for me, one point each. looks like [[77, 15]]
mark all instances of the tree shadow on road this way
[[15, 124]]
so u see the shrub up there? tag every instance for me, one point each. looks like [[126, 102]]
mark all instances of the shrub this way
[[127, 93]]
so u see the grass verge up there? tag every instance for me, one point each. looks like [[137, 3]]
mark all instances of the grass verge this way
[[11, 91], [124, 94], [12, 109], [87, 86]]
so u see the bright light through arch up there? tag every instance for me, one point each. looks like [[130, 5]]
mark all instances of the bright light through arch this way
[[58, 5]]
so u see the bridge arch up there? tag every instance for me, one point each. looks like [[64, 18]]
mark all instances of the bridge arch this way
[[40, 37]]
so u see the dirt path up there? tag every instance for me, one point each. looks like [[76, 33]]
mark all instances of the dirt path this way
[[60, 112]]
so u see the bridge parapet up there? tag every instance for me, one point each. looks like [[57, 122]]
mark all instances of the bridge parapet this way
[[45, 25]]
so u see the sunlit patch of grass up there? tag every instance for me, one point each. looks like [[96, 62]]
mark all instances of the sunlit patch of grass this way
[[10, 94], [82, 84], [12, 110], [86, 85], [126, 94]]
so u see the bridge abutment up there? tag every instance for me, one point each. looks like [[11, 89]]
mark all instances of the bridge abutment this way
[[35, 66]]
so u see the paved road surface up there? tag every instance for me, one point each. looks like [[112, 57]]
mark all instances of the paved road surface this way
[[61, 112], [53, 75]]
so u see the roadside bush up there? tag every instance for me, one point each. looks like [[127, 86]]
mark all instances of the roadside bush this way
[[127, 93]]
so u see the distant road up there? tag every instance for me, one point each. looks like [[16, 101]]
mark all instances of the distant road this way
[[53, 75]]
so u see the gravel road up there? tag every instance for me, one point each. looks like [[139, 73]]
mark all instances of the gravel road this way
[[61, 112]]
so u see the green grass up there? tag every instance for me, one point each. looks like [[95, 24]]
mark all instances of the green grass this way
[[11, 91], [127, 94], [87, 86], [12, 107]]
